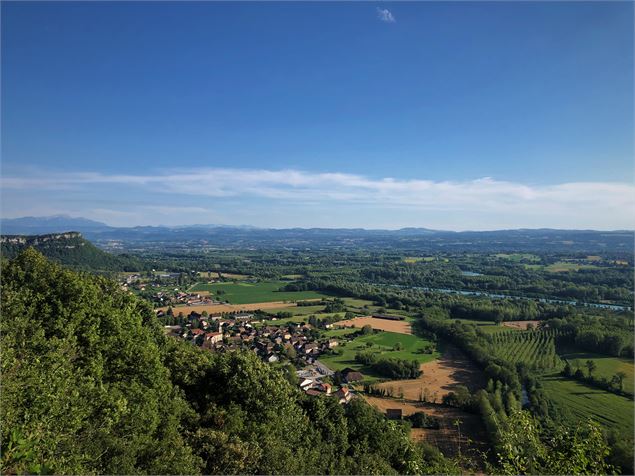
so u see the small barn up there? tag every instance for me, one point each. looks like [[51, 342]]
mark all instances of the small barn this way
[[394, 413]]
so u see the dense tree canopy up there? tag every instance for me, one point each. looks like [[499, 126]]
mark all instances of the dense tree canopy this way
[[91, 385]]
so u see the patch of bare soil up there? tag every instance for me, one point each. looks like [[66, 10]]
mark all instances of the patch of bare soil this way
[[216, 308], [439, 377], [459, 432], [522, 325], [401, 327]]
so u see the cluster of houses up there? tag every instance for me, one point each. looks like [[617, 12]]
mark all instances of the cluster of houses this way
[[179, 297], [225, 332], [310, 381]]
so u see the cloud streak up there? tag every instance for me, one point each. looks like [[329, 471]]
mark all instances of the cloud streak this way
[[587, 204], [385, 15]]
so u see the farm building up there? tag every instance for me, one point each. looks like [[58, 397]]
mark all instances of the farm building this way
[[243, 316], [351, 375]]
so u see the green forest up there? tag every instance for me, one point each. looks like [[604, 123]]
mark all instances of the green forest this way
[[91, 385]]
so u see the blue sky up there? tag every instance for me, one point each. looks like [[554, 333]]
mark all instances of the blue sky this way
[[447, 115]]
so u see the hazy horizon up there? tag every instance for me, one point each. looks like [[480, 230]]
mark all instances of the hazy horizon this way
[[247, 225]]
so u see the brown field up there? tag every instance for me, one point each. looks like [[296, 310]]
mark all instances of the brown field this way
[[439, 377], [520, 324], [401, 327], [215, 308], [446, 438]]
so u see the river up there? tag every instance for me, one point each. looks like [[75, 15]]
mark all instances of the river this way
[[613, 307]]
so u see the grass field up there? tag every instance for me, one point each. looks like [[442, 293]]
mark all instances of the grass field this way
[[606, 366], [580, 402], [339, 332], [382, 344], [246, 293], [416, 259], [517, 257], [564, 266]]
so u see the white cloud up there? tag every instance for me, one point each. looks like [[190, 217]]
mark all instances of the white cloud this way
[[385, 15], [575, 204]]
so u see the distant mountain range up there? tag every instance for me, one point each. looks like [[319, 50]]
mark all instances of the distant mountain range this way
[[418, 239]]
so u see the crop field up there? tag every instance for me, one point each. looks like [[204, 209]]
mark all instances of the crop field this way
[[579, 402], [382, 343], [402, 327], [440, 376], [535, 348], [246, 293], [219, 308], [299, 310], [605, 366], [521, 325]]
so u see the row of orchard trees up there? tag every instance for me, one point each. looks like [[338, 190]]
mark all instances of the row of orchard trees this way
[[536, 349], [521, 441], [521, 445]]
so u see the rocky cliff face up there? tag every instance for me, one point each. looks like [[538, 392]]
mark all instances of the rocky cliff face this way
[[39, 239]]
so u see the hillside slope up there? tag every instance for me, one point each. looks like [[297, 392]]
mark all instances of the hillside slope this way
[[69, 249], [90, 385]]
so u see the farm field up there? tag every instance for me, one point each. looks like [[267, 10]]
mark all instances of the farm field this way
[[299, 310], [359, 303], [416, 259], [247, 293], [446, 438], [581, 402], [401, 327], [339, 332], [517, 257], [535, 348], [606, 366], [521, 325], [440, 376], [216, 308], [564, 266], [382, 344]]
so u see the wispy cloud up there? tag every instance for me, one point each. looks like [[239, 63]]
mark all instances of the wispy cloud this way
[[579, 204], [385, 15]]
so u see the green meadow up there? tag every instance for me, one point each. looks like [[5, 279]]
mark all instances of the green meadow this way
[[382, 343], [579, 402], [247, 293], [605, 366]]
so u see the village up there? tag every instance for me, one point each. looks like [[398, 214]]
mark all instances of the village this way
[[297, 344]]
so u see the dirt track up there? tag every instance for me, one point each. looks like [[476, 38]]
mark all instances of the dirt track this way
[[439, 377], [401, 327], [216, 308]]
